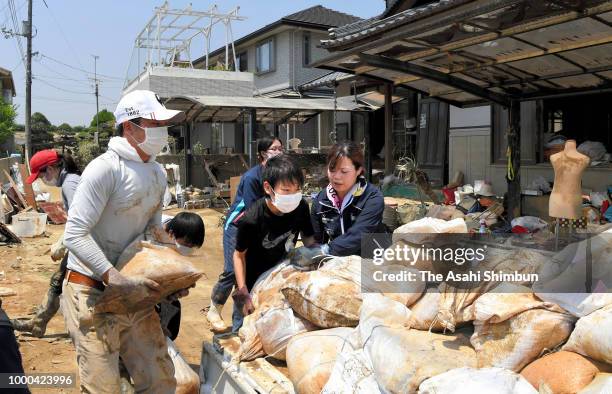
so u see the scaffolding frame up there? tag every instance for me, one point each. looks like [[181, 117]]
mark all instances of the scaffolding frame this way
[[168, 35]]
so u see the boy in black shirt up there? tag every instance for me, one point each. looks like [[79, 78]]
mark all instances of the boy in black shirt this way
[[269, 228]]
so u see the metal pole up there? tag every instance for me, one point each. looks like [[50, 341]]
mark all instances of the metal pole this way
[[388, 129], [513, 171], [28, 103], [96, 82]]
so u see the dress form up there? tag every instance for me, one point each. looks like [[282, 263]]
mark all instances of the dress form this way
[[566, 198]]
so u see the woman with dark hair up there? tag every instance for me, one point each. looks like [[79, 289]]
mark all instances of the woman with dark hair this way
[[250, 189], [348, 207], [56, 170]]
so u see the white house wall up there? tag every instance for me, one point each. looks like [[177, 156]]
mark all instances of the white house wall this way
[[470, 153]]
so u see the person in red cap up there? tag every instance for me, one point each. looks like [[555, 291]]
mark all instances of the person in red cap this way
[[56, 170]]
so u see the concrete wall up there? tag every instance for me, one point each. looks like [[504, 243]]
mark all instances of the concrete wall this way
[[168, 82], [470, 153]]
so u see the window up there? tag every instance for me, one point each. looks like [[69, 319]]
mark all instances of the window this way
[[265, 56], [243, 62], [306, 49]]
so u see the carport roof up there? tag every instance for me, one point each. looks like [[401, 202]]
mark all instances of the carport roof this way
[[467, 52], [230, 109]]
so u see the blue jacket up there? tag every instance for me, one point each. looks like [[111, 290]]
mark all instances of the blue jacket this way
[[250, 189], [342, 231]]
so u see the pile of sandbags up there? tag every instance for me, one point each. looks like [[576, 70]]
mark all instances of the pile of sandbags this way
[[171, 270], [340, 332]]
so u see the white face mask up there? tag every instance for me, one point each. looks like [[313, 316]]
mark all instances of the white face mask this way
[[286, 202], [273, 153], [156, 139], [182, 249], [52, 181]]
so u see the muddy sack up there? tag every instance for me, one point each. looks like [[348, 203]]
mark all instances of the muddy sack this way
[[562, 373], [311, 357], [516, 342], [163, 265], [470, 380], [592, 336]]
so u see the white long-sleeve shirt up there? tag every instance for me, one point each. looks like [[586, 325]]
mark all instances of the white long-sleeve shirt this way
[[118, 197]]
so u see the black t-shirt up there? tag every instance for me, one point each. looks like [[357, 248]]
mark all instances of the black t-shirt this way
[[268, 237]]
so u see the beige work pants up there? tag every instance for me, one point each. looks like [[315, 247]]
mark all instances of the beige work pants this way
[[100, 338]]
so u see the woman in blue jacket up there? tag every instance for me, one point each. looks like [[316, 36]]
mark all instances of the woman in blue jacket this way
[[250, 189], [349, 206]]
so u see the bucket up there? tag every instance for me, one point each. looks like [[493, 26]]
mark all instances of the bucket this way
[[29, 224]]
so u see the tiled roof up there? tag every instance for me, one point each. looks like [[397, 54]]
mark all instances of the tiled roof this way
[[320, 15]]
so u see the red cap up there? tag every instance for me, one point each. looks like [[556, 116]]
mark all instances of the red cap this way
[[41, 160]]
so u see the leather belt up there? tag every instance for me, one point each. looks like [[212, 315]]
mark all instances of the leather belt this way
[[80, 279]]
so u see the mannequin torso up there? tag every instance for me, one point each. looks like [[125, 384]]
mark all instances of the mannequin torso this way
[[565, 200]]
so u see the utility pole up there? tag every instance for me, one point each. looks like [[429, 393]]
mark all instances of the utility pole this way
[[96, 82], [28, 103]]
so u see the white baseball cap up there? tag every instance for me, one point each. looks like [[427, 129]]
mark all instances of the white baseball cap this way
[[144, 104]]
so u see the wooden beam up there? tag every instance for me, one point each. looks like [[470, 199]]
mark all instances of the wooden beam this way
[[434, 75], [388, 129], [513, 166]]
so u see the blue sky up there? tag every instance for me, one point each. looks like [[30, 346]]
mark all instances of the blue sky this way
[[70, 31]]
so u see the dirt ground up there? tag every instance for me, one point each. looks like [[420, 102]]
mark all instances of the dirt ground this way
[[26, 269]]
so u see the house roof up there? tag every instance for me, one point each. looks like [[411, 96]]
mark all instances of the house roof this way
[[317, 17], [469, 52], [7, 80]]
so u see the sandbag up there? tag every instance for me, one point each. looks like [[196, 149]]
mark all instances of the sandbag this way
[[380, 311], [508, 300], [187, 380], [165, 266], [311, 357], [601, 384], [516, 342], [562, 372], [324, 299], [470, 380], [567, 288], [363, 273], [592, 336], [425, 310], [352, 374], [266, 290], [402, 359], [251, 346], [432, 226], [276, 326]]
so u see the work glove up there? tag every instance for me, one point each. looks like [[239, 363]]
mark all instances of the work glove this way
[[58, 250], [179, 294], [304, 257], [243, 300], [127, 285]]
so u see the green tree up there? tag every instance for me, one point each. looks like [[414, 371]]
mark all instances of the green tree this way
[[41, 130], [8, 113], [64, 128], [106, 119]]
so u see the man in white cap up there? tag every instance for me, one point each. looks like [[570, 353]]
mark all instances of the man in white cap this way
[[119, 197]]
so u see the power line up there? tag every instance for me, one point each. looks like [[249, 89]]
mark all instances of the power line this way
[[78, 69], [62, 89], [59, 27]]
